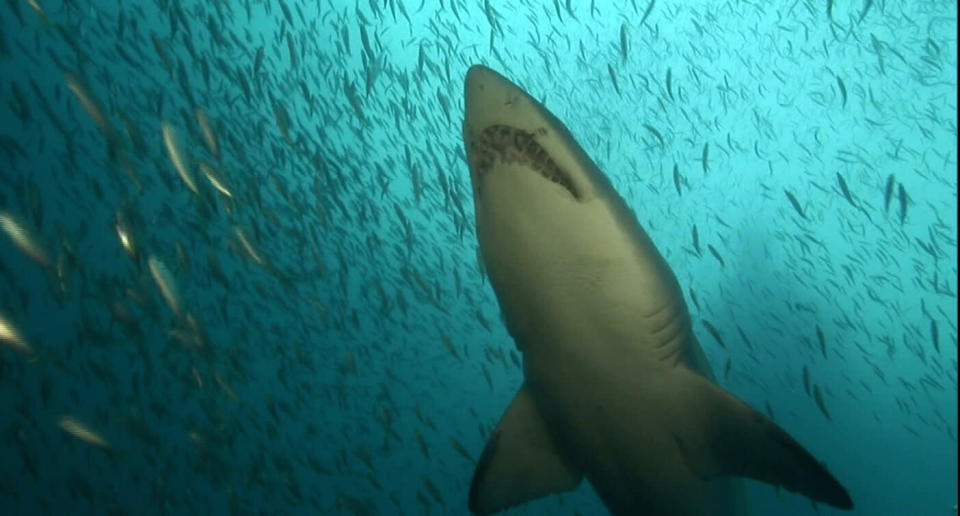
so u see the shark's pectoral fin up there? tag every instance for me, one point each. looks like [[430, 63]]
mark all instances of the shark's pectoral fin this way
[[739, 441], [520, 461]]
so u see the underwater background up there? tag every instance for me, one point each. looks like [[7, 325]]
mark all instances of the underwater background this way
[[239, 273]]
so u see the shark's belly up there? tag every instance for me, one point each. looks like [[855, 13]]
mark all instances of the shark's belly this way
[[614, 419]]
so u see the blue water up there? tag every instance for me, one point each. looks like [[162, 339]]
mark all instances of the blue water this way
[[343, 337]]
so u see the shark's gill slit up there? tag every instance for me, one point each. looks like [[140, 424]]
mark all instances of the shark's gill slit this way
[[672, 312], [512, 145]]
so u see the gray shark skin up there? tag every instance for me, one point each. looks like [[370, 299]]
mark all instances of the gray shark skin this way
[[616, 387]]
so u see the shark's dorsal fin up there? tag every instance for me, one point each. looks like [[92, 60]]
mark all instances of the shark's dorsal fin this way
[[520, 461], [726, 437]]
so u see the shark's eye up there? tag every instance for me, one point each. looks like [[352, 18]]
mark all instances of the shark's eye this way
[[512, 145]]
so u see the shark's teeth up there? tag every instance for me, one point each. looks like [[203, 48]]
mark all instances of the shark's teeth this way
[[511, 145]]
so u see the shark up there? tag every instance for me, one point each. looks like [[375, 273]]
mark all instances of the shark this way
[[616, 387]]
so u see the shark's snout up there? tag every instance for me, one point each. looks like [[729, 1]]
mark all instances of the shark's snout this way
[[503, 125]]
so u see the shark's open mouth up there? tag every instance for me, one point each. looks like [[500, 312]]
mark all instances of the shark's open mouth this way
[[511, 145]]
